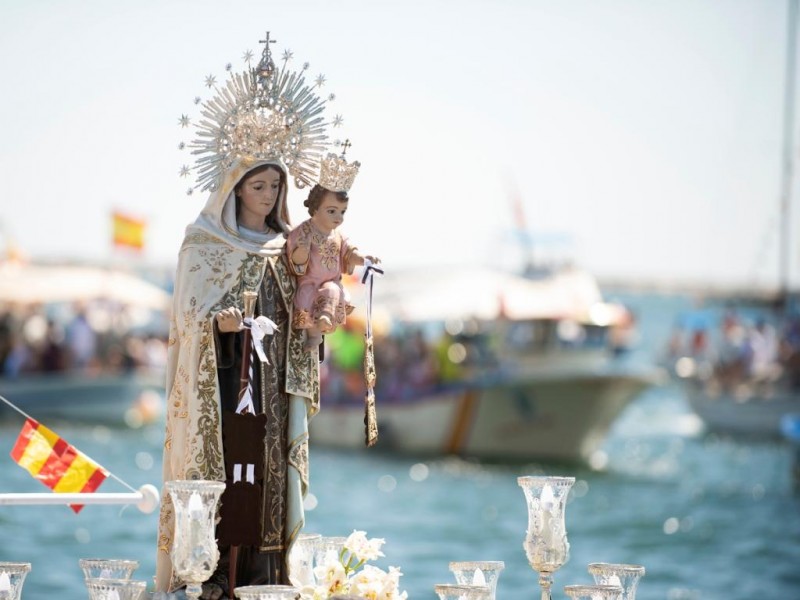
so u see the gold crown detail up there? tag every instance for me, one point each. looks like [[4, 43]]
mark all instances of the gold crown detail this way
[[264, 113], [336, 174]]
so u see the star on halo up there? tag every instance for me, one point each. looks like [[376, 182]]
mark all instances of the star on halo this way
[[184, 171], [248, 56], [337, 120], [184, 121], [320, 80], [210, 81], [288, 55]]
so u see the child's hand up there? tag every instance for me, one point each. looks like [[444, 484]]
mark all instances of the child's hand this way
[[300, 255]]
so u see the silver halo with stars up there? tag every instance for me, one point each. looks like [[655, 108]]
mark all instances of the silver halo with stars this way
[[264, 112]]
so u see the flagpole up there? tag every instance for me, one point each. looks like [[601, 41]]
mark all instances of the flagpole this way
[[110, 474], [146, 498], [18, 409]]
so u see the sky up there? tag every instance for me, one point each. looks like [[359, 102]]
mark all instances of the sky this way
[[642, 138]]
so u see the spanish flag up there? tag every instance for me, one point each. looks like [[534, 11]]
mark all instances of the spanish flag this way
[[128, 231], [54, 462]]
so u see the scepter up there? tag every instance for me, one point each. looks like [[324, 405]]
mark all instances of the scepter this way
[[245, 403]]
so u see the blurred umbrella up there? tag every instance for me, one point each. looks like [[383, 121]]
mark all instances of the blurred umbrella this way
[[28, 284]]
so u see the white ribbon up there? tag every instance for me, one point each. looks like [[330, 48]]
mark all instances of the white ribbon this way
[[250, 473], [370, 270], [259, 328], [246, 405]]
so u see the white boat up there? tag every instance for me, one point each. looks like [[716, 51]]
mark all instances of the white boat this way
[[96, 394], [753, 406], [758, 416], [558, 416], [551, 393], [739, 382], [132, 399]]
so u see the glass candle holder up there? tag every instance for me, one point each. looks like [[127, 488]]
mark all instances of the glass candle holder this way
[[594, 592], [478, 573], [116, 589], [454, 591], [301, 559], [12, 576], [546, 544], [328, 549], [266, 592], [194, 551], [107, 568], [625, 576]]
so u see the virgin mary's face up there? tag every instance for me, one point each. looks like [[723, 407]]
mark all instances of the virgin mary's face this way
[[258, 195]]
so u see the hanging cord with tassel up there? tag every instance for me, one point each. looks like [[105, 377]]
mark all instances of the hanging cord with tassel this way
[[370, 414]]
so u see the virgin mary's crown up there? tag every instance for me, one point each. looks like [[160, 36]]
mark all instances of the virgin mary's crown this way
[[266, 112]]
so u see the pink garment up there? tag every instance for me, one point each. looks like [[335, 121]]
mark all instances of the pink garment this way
[[319, 287]]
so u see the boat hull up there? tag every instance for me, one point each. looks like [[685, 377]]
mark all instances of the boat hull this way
[[554, 418], [131, 398], [754, 416]]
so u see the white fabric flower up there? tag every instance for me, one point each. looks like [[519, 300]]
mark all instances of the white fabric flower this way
[[331, 576], [311, 592], [369, 582], [375, 584], [362, 548], [391, 585]]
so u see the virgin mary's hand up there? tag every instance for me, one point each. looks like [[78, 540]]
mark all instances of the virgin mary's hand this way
[[211, 591], [229, 320]]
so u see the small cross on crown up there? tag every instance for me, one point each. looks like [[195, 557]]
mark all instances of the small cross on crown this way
[[336, 174]]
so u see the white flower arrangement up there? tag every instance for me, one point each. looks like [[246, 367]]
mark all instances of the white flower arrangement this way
[[349, 573]]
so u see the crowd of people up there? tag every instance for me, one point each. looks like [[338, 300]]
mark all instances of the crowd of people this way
[[98, 338], [88, 338], [741, 350], [406, 363], [413, 360]]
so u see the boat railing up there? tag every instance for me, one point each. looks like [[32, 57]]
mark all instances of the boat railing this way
[[146, 499]]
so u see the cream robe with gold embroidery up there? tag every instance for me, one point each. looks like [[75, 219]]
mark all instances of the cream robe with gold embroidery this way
[[215, 265]]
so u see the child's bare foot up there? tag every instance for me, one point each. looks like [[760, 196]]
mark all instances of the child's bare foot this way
[[313, 340]]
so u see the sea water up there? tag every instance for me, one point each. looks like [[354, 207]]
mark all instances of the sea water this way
[[708, 517]]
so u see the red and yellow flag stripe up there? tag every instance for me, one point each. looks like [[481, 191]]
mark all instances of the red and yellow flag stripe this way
[[54, 462], [128, 231]]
